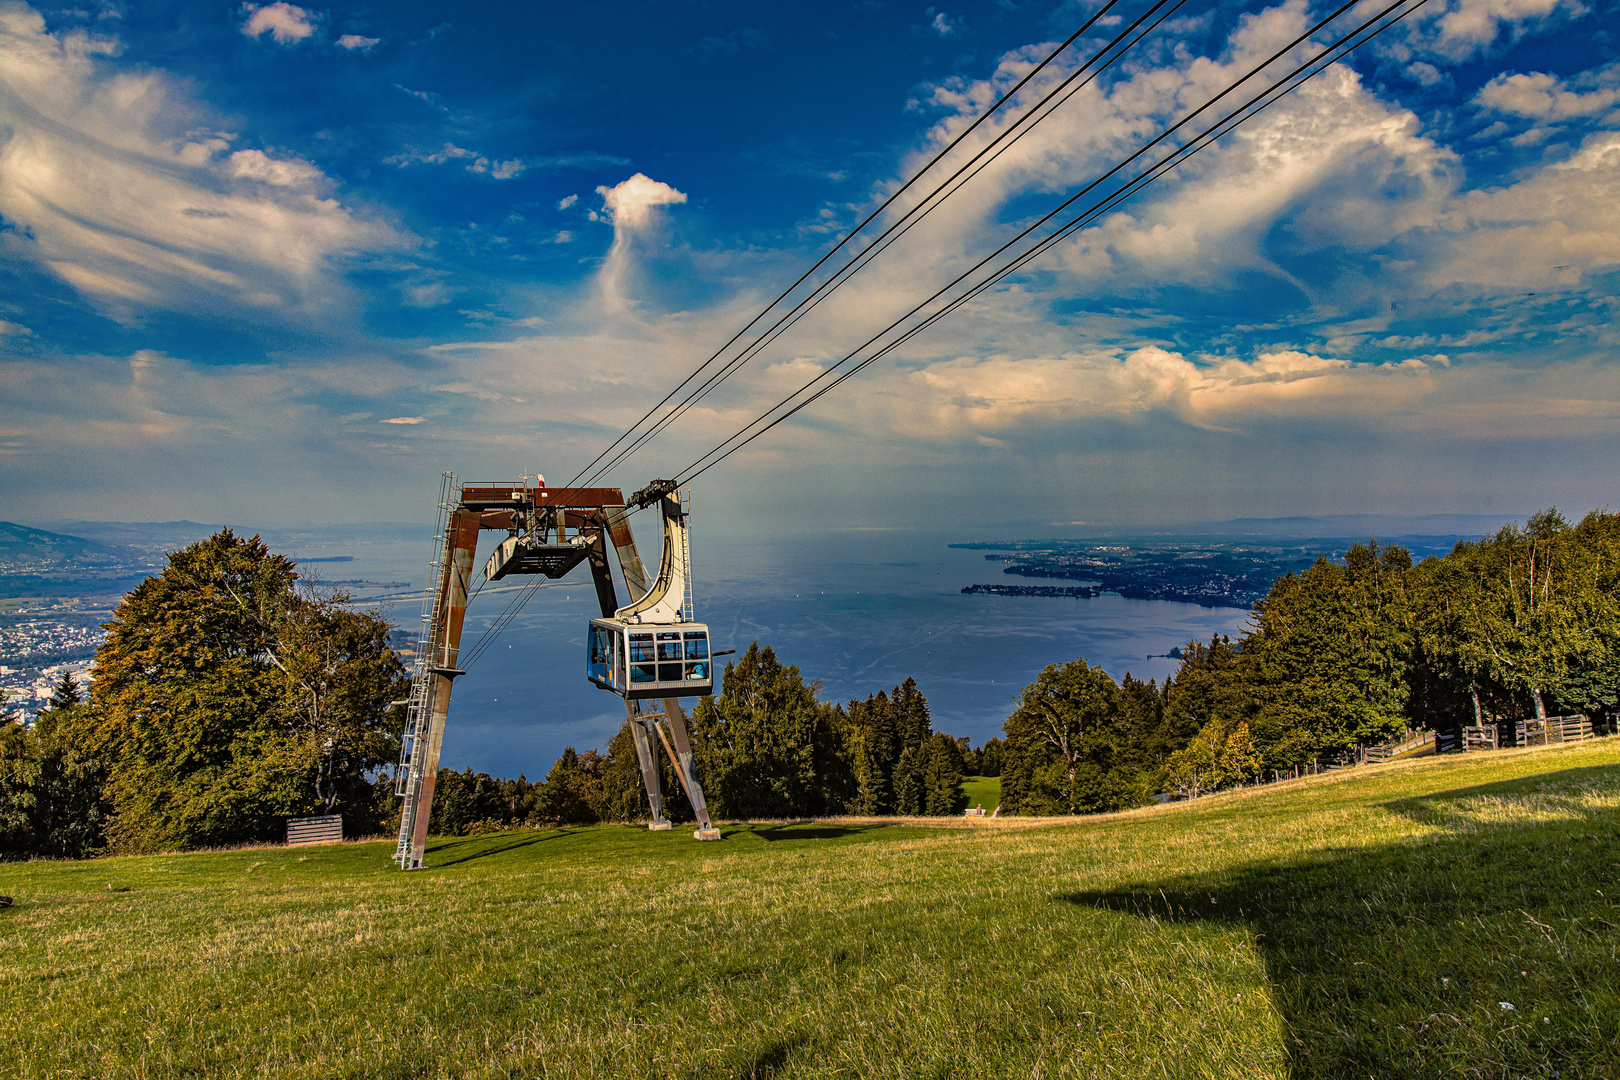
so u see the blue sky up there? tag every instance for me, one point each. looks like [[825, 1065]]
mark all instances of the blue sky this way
[[285, 262]]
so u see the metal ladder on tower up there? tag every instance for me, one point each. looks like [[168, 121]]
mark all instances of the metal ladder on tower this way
[[408, 774]]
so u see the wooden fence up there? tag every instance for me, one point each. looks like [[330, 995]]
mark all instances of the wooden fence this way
[[1389, 751], [1533, 732], [1553, 730]]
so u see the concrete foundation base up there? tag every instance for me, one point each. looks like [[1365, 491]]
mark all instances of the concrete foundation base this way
[[706, 834], [659, 826]]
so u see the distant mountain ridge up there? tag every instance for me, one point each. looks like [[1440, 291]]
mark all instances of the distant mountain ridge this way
[[139, 534], [1344, 526], [25, 544]]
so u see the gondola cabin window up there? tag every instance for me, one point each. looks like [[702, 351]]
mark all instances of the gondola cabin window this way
[[642, 661]]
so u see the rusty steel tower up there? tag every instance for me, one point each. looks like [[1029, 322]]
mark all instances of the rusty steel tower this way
[[550, 531]]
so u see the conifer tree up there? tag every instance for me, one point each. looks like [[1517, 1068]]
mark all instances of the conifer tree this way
[[908, 789], [765, 746], [66, 695], [942, 776]]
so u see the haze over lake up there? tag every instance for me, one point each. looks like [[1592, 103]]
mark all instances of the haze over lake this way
[[859, 610]]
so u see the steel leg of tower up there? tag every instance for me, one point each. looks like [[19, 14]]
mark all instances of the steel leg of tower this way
[[675, 719], [649, 766]]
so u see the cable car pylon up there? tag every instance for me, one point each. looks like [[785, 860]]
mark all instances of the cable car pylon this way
[[653, 651]]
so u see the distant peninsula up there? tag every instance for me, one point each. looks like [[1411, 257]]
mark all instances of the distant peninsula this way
[[1232, 575], [1085, 592]]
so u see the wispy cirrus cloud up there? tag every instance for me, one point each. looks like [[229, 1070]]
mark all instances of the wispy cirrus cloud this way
[[122, 184], [472, 160]]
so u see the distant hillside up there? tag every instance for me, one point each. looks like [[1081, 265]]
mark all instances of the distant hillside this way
[[1350, 526], [19, 543], [167, 535]]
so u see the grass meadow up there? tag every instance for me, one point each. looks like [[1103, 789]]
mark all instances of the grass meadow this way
[[1436, 918], [983, 791]]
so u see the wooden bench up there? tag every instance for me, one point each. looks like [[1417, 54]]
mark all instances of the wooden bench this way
[[325, 829]]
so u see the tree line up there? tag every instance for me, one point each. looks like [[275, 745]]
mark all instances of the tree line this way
[[230, 695], [765, 746], [1349, 653]]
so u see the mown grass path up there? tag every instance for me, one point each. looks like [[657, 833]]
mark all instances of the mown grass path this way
[[1370, 923]]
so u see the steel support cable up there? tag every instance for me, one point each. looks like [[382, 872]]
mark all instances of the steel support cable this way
[[1277, 91], [902, 225], [694, 470], [481, 645], [1111, 201], [898, 227], [502, 621], [1273, 94], [851, 234], [1225, 126], [1289, 82]]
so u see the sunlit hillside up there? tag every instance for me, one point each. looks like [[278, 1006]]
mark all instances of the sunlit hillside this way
[[1443, 917]]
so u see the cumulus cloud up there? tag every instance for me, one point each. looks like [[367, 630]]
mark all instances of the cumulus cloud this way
[[1331, 166], [357, 43], [124, 186], [1464, 27], [1542, 97], [998, 395], [629, 204], [1558, 223], [286, 24]]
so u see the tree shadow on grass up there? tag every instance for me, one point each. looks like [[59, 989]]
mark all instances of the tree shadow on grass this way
[[455, 844], [1486, 950], [770, 1061], [789, 831]]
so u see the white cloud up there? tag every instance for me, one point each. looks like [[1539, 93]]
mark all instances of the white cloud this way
[[999, 395], [286, 23], [476, 162], [629, 204], [1332, 165], [124, 186], [1542, 97], [943, 25], [280, 172], [1550, 228], [404, 420], [1475, 23], [356, 43], [1425, 74], [566, 201]]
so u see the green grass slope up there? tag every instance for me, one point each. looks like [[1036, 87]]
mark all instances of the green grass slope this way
[[983, 791], [1377, 922]]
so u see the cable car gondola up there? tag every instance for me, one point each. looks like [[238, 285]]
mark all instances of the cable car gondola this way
[[638, 662], [651, 648]]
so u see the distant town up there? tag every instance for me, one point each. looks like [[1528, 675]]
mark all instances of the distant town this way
[[1231, 575], [57, 590]]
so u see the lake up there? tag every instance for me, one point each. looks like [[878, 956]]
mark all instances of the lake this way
[[858, 610]]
